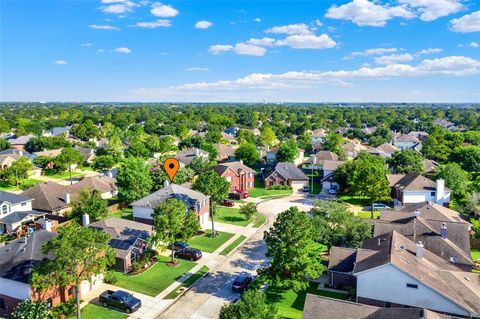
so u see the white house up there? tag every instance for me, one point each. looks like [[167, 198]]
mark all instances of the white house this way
[[15, 210], [414, 188], [328, 180], [407, 141]]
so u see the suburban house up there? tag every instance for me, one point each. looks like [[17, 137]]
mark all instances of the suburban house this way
[[13, 151], [286, 173], [143, 208], [232, 130], [441, 230], [185, 157], [271, 156], [225, 152], [429, 166], [385, 150], [20, 142], [415, 188], [422, 136], [57, 131], [318, 137], [330, 308], [328, 180], [128, 239], [317, 160], [7, 160], [392, 271], [87, 153], [353, 148], [229, 138], [15, 213], [407, 141], [239, 175], [102, 184], [17, 260]]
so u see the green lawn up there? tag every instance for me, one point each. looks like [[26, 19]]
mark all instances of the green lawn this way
[[266, 193], [156, 279], [475, 254], [233, 245], [92, 311], [367, 214], [261, 219], [65, 175], [230, 215], [209, 244], [356, 200], [290, 303], [4, 186], [187, 283], [126, 213]]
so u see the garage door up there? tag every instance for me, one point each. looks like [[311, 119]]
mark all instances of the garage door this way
[[296, 185]]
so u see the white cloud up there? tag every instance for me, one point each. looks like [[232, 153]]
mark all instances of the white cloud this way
[[473, 45], [100, 50], [430, 10], [291, 29], [258, 20], [112, 1], [102, 27], [119, 8], [429, 51], [318, 23], [154, 24], [467, 23], [263, 42], [375, 51], [123, 50], [220, 48], [203, 24], [197, 69], [307, 41], [366, 13], [88, 44], [163, 10], [394, 58], [60, 62], [249, 49]]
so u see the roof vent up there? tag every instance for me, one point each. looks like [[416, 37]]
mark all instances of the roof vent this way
[[453, 259]]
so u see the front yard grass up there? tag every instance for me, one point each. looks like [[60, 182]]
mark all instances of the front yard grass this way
[[4, 186], [368, 215], [290, 303], [475, 254], [154, 280], [93, 311], [233, 245], [230, 215], [266, 193], [126, 213], [356, 200], [209, 244], [187, 283], [65, 175], [261, 219]]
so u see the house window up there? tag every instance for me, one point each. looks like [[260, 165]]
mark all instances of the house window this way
[[432, 194], [70, 291], [412, 286], [4, 209], [229, 178], [2, 303], [49, 301]]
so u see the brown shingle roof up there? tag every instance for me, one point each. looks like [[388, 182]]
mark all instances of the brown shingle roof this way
[[236, 167], [99, 183], [48, 196]]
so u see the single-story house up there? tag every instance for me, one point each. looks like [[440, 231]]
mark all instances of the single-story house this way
[[239, 175], [185, 157], [128, 239], [20, 142], [225, 152], [407, 141], [102, 184], [143, 208], [229, 138], [353, 148], [87, 153], [57, 131], [286, 173], [385, 150]]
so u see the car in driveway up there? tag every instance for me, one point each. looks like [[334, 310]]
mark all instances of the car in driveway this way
[[189, 253], [179, 245], [227, 203], [241, 283], [378, 206], [237, 195], [121, 300]]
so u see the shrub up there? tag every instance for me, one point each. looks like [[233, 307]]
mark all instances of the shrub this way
[[28, 309], [109, 278], [280, 187], [65, 309]]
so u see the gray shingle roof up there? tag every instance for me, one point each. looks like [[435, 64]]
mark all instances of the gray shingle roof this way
[[13, 198], [21, 140], [17, 217], [187, 156], [290, 171], [187, 195]]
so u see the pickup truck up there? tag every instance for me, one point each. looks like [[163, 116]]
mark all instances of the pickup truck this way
[[121, 300]]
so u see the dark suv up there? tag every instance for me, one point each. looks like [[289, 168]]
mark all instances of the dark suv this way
[[189, 253], [241, 283], [121, 300]]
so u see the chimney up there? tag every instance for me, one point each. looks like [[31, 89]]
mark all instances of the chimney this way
[[47, 225], [440, 191], [197, 152], [20, 153], [241, 161], [66, 198], [443, 231], [110, 174], [85, 219], [419, 250], [166, 183]]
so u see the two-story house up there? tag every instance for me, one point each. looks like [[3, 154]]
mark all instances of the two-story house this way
[[15, 212], [143, 208], [239, 175]]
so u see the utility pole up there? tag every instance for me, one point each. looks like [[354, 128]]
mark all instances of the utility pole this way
[[314, 162]]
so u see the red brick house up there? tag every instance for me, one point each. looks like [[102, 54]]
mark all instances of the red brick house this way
[[240, 176]]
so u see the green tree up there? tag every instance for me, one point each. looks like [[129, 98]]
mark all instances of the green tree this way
[[455, 178], [167, 144], [441, 143], [248, 153], [333, 143], [103, 162], [199, 164], [252, 305], [20, 169], [29, 309], [168, 222], [468, 157], [293, 251], [69, 157], [212, 151], [133, 179], [287, 151], [4, 144], [80, 252], [191, 226], [406, 161], [248, 210], [475, 227], [90, 203], [213, 136], [267, 136], [137, 148]]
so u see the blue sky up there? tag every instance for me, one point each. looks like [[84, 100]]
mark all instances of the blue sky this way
[[247, 51]]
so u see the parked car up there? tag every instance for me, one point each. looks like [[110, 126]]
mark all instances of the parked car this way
[[189, 253], [121, 300], [179, 245], [244, 194], [228, 203], [306, 188], [332, 191], [238, 195], [241, 283], [235, 196], [377, 206]]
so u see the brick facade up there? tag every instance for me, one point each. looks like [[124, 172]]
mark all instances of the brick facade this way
[[242, 181]]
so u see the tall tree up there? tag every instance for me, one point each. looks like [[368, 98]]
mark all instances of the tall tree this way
[[252, 304], [133, 179], [168, 222], [333, 143], [69, 157], [287, 151], [20, 168], [293, 251], [248, 153], [80, 252], [455, 178], [468, 157], [406, 161], [90, 203], [267, 136]]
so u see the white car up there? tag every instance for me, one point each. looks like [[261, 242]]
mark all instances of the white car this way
[[377, 206]]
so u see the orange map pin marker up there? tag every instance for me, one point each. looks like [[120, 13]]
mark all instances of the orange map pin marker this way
[[171, 166]]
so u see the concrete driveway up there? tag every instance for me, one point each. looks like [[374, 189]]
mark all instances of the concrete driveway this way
[[210, 293]]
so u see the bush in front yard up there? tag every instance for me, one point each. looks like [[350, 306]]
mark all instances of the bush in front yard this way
[[279, 187], [109, 278]]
